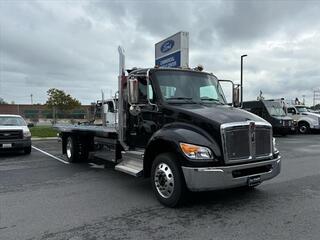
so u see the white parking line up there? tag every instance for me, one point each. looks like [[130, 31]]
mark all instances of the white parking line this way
[[50, 155]]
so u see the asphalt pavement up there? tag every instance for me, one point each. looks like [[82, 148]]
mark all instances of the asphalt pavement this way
[[41, 197]]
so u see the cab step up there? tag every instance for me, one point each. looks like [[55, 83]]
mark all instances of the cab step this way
[[132, 163]]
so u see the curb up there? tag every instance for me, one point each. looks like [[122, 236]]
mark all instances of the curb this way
[[44, 138]]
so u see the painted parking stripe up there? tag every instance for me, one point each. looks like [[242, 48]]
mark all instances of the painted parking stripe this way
[[50, 155]]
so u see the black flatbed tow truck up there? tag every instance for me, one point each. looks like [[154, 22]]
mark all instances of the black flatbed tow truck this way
[[175, 127]]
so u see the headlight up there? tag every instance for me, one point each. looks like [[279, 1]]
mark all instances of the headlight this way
[[196, 152], [274, 145], [27, 134]]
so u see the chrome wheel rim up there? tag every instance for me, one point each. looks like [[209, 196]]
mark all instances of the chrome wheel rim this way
[[164, 180], [69, 148], [303, 129]]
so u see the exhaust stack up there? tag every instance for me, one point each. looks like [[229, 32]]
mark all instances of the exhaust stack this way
[[121, 80]]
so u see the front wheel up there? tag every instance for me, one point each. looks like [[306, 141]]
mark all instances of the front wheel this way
[[167, 180], [304, 128]]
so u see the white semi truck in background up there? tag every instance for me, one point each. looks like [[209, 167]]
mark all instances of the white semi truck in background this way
[[306, 120]]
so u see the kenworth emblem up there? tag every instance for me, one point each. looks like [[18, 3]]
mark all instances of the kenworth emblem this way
[[167, 46], [252, 127]]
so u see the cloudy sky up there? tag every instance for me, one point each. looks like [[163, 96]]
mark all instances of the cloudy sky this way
[[72, 45]]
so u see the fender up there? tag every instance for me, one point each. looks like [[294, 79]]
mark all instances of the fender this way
[[307, 119], [167, 139]]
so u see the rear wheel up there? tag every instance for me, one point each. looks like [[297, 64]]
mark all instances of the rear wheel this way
[[72, 149], [304, 127], [167, 180]]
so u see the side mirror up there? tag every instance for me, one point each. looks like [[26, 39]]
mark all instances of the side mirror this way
[[236, 96], [133, 91], [30, 125]]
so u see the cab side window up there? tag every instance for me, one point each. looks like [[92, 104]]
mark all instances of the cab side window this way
[[143, 90], [292, 111]]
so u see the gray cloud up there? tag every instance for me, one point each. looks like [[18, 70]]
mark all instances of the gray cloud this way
[[73, 45]]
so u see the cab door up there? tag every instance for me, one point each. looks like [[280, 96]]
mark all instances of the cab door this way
[[292, 112], [148, 120]]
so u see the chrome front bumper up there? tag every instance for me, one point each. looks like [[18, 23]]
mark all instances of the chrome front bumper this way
[[213, 178]]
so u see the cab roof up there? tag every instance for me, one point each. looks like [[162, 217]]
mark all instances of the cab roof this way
[[144, 70]]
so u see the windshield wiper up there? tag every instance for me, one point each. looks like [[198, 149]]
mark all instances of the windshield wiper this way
[[179, 98], [188, 99], [210, 99]]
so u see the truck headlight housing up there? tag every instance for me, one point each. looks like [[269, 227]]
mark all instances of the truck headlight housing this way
[[26, 134], [196, 152], [275, 150]]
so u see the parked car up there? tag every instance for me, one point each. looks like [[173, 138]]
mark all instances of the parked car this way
[[306, 120], [14, 133], [272, 112]]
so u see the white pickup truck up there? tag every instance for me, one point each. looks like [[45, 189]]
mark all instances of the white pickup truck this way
[[14, 133], [306, 120]]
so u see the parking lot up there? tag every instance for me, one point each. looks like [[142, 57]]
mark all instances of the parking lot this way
[[42, 197]]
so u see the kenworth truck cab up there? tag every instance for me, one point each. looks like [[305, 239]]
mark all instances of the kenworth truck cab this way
[[175, 127]]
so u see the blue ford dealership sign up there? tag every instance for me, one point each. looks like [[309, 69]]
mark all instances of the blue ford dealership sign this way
[[173, 51]]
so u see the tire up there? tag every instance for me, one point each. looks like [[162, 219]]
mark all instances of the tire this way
[[304, 128], [27, 150], [72, 150], [167, 180]]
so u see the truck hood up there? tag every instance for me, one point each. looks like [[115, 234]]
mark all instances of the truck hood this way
[[310, 114], [283, 117], [214, 114], [23, 128]]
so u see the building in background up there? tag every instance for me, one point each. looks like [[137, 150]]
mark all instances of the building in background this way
[[40, 113]]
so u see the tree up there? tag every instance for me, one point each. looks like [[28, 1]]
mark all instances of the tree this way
[[2, 101], [316, 107], [58, 100]]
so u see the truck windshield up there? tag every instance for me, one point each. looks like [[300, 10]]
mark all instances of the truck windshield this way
[[12, 121], [302, 109], [190, 87], [275, 109]]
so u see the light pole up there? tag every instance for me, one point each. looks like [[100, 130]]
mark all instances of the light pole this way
[[241, 77]]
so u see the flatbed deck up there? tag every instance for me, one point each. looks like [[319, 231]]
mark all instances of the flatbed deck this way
[[96, 130]]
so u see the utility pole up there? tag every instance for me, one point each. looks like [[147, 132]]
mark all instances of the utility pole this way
[[316, 96], [31, 96]]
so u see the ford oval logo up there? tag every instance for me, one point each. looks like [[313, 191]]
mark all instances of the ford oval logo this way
[[167, 46]]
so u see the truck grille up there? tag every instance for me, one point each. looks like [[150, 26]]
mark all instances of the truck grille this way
[[246, 141], [10, 134], [286, 123]]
